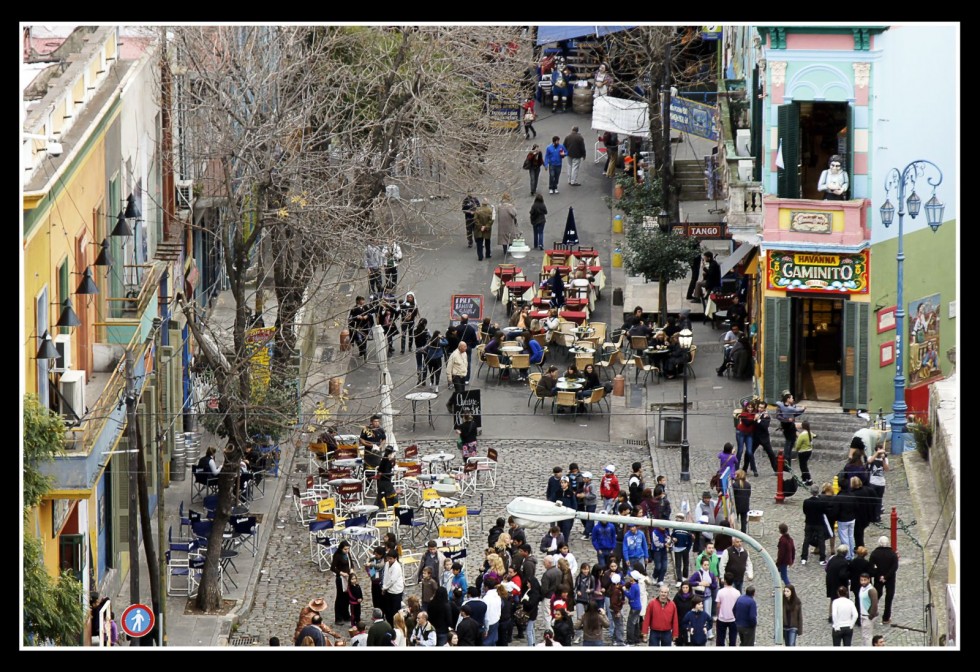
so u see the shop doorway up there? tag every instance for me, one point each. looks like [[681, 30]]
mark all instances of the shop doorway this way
[[817, 348]]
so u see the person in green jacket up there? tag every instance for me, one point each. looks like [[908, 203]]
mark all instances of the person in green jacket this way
[[803, 449]]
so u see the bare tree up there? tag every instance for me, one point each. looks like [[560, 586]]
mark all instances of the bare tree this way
[[303, 130]]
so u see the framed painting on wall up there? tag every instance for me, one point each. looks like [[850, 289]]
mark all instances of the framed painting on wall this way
[[886, 353], [886, 319]]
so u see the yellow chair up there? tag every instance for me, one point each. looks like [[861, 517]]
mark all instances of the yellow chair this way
[[532, 383], [596, 397], [385, 519], [520, 363], [615, 358], [583, 360], [600, 331], [566, 399], [451, 532], [480, 357], [645, 368], [326, 509], [493, 363], [429, 494]]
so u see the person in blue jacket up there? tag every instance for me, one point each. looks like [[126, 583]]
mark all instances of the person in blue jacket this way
[[634, 547], [746, 613], [604, 542], [632, 592], [697, 624], [554, 155]]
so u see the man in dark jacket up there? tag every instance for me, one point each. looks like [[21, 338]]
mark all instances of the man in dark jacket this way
[[554, 484], [635, 484], [432, 560], [478, 610], [867, 508], [746, 617], [838, 574], [814, 528], [469, 632], [884, 564], [468, 335], [470, 204], [575, 146], [760, 436], [847, 506], [529, 566], [710, 278], [550, 579], [533, 595], [495, 533], [380, 633]]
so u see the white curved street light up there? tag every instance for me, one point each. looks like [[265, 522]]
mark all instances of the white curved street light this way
[[528, 510]]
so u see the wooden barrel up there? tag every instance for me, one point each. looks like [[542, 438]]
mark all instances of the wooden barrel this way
[[582, 100]]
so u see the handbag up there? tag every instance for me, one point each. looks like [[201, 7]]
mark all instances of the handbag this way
[[528, 117]]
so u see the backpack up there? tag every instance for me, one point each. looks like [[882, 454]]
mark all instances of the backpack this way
[[527, 161]]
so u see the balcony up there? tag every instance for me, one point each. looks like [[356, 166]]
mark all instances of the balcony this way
[[744, 195]]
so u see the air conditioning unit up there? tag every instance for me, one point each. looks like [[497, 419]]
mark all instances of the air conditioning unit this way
[[63, 343], [72, 388], [745, 170], [743, 142], [184, 194]]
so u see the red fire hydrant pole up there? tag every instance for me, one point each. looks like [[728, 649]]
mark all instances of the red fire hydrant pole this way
[[779, 482], [894, 528]]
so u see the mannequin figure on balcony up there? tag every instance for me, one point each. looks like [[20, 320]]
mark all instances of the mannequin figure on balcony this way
[[833, 181]]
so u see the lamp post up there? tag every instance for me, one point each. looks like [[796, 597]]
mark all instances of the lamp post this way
[[900, 180], [527, 510], [685, 337]]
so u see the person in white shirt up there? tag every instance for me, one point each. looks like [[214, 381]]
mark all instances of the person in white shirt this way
[[843, 616], [392, 586], [423, 634], [492, 619], [726, 599], [563, 552], [392, 254], [456, 369]]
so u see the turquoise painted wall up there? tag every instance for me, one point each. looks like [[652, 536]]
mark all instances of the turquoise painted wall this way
[[931, 263]]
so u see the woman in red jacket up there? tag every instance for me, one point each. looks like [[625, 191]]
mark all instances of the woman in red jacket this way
[[743, 436]]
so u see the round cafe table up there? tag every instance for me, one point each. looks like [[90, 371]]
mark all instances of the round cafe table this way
[[415, 398], [442, 459], [337, 482], [350, 462], [565, 384], [433, 510], [365, 509]]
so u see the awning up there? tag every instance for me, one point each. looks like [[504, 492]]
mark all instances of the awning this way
[[625, 117], [732, 260], [548, 34]]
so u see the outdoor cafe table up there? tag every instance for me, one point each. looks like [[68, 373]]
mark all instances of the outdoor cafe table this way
[[337, 482], [362, 538], [521, 289], [576, 316], [433, 510], [569, 385], [657, 357], [415, 398], [442, 459], [499, 278], [353, 463]]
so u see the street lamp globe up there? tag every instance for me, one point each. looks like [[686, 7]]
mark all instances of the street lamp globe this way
[[887, 213], [685, 337], [914, 203], [934, 212]]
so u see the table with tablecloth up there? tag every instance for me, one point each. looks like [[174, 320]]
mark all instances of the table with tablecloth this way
[[502, 276], [518, 289], [598, 275]]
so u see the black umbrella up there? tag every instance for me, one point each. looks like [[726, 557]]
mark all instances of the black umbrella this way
[[571, 235]]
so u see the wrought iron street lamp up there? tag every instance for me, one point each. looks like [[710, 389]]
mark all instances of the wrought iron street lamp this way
[[900, 180], [685, 338]]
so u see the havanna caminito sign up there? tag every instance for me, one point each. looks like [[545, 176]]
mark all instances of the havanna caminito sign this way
[[818, 271]]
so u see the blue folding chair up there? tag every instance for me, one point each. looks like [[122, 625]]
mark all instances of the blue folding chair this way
[[246, 531]]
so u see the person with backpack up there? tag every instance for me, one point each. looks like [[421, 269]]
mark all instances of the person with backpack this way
[[434, 354]]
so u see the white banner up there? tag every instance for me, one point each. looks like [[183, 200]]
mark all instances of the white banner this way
[[625, 117]]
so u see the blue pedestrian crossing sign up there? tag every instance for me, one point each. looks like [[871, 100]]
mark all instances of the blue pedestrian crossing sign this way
[[137, 620]]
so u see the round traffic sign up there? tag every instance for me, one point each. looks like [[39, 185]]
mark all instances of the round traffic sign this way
[[137, 620]]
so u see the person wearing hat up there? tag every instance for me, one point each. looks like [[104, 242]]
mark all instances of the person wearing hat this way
[[306, 614], [617, 599], [381, 633], [704, 512], [588, 499], [609, 488], [632, 592], [549, 639], [680, 543]]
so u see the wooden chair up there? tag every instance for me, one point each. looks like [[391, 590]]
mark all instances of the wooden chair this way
[[480, 358], [564, 399], [583, 360], [520, 363], [609, 364], [493, 364], [542, 339], [600, 331], [532, 383], [596, 397], [645, 368], [638, 343]]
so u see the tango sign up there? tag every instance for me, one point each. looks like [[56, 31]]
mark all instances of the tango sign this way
[[818, 271]]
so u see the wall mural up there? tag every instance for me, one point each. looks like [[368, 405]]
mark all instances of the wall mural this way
[[923, 320]]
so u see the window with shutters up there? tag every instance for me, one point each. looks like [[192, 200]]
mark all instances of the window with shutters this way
[[810, 133], [855, 356], [777, 348], [120, 497]]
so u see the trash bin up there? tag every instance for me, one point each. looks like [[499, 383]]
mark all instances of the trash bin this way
[[672, 426]]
